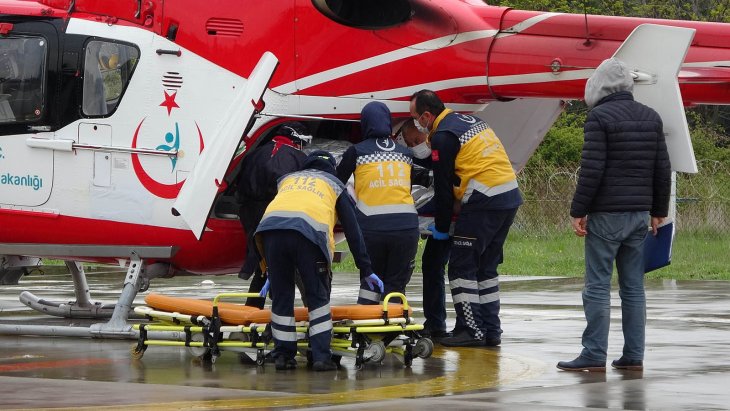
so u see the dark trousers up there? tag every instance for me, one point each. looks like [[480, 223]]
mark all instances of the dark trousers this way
[[250, 215], [434, 260], [287, 251], [392, 256], [476, 252]]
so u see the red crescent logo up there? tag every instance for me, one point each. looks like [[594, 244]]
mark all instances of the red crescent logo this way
[[155, 187]]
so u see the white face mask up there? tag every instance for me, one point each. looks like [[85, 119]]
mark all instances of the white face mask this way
[[420, 128], [421, 151]]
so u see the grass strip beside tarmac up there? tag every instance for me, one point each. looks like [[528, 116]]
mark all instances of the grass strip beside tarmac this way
[[695, 256]]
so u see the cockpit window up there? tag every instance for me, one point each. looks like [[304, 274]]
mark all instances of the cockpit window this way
[[365, 14], [108, 68], [22, 72]]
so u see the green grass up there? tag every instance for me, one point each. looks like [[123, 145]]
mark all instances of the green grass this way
[[698, 256], [348, 264]]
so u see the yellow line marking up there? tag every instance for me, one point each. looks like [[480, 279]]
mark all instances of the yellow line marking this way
[[473, 369]]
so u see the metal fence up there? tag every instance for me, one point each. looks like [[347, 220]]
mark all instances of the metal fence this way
[[703, 199]]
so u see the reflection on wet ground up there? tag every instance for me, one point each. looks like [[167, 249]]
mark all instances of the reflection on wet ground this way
[[687, 353]]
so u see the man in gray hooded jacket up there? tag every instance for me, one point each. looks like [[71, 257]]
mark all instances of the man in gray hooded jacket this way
[[623, 186]]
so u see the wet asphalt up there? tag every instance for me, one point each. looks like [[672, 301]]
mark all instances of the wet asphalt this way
[[687, 364]]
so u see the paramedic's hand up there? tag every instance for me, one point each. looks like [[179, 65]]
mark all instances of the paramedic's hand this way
[[436, 234], [265, 288], [373, 280]]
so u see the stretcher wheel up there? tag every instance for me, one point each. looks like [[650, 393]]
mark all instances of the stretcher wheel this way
[[375, 352], [260, 358], [423, 348], [198, 352], [136, 353]]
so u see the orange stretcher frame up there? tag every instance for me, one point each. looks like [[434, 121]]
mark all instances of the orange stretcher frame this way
[[239, 314]]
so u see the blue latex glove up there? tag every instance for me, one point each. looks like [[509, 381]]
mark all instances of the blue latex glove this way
[[372, 280], [265, 288], [436, 234]]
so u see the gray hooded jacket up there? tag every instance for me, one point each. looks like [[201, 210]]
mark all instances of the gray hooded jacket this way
[[624, 163], [610, 77]]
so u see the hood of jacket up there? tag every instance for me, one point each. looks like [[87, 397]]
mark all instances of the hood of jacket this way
[[375, 120], [610, 77], [321, 160]]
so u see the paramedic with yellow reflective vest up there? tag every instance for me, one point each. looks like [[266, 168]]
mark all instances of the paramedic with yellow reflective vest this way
[[470, 165], [384, 205], [296, 233]]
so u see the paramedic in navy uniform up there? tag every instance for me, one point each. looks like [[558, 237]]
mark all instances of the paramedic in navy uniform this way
[[470, 165], [260, 170], [296, 233], [384, 205]]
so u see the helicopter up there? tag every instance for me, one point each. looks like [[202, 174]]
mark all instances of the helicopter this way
[[122, 122]]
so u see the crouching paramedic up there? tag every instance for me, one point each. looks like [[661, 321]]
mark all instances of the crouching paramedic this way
[[296, 233], [385, 207]]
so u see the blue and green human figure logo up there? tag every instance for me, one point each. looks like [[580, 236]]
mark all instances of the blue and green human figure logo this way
[[173, 143]]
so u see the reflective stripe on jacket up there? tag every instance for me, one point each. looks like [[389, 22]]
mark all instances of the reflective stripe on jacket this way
[[383, 186], [306, 202], [482, 163]]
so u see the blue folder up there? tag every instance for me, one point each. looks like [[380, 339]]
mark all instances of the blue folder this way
[[658, 249]]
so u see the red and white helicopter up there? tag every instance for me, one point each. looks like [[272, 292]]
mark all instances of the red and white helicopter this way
[[121, 122]]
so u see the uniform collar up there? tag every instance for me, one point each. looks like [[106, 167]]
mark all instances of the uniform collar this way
[[436, 122]]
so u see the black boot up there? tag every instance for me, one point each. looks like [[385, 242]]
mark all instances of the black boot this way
[[284, 363], [462, 339]]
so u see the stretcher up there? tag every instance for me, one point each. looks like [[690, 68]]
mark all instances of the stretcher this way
[[363, 332]]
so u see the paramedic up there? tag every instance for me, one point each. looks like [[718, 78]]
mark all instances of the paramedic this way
[[385, 210], [436, 252], [296, 233], [257, 179], [470, 165]]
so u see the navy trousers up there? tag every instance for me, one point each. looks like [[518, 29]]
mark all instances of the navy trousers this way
[[285, 252], [392, 256], [434, 260], [475, 254]]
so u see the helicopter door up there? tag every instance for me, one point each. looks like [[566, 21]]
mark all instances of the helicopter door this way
[[27, 54], [196, 197]]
